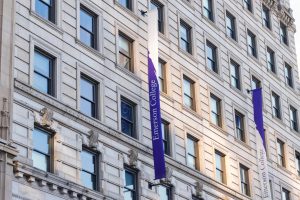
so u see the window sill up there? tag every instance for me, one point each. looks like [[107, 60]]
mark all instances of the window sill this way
[[233, 41], [215, 74], [255, 59], [278, 120], [126, 10], [239, 91], [49, 23], [274, 74], [242, 143], [210, 22], [191, 56], [166, 96], [221, 129], [90, 49], [193, 112], [189, 4], [131, 74]]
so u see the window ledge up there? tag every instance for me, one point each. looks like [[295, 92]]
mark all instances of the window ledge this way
[[278, 120], [221, 129], [49, 23], [294, 131], [239, 91], [191, 56], [211, 23], [242, 143], [193, 112], [90, 49], [233, 41], [164, 37], [255, 59], [189, 4], [126, 71], [215, 74], [166, 96], [274, 74], [128, 11]]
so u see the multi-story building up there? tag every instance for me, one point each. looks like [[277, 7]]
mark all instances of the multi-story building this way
[[74, 99]]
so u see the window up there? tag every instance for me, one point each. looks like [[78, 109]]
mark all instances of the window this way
[[288, 75], [46, 9], [297, 162], [160, 10], [230, 26], [280, 153], [162, 76], [211, 55], [294, 118], [208, 9], [88, 27], [164, 192], [266, 16], [130, 188], [248, 5], [188, 92], [215, 107], [126, 3], [251, 41], [244, 173], [271, 189], [88, 96], [89, 166], [41, 153], [128, 117], [255, 83], [239, 126], [276, 105], [271, 60], [235, 74], [220, 167], [125, 52], [285, 194], [43, 78], [192, 148], [185, 37], [283, 33], [166, 136]]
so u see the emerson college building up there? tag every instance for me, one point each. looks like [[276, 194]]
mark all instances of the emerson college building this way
[[75, 121]]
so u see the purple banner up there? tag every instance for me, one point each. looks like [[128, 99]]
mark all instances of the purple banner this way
[[155, 118]]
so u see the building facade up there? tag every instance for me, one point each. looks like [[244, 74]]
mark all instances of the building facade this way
[[74, 99]]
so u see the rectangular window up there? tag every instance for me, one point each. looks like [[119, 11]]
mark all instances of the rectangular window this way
[[192, 148], [43, 78], [165, 129], [188, 92], [162, 76], [251, 41], [160, 10], [244, 173], [89, 166], [255, 83], [276, 105], [125, 52], [283, 33], [126, 3], [266, 16], [208, 9], [41, 153], [164, 192], [128, 117], [285, 194], [88, 96], [239, 126], [220, 167], [235, 74], [294, 118], [211, 56], [271, 60], [185, 37], [88, 27], [288, 75], [297, 162], [130, 190], [280, 153], [230, 25], [45, 9], [271, 189], [215, 107], [248, 5]]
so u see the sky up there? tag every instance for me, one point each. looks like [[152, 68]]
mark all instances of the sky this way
[[295, 5]]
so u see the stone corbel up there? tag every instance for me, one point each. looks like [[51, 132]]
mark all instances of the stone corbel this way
[[44, 118], [4, 120], [270, 3], [133, 158], [286, 16], [92, 141], [199, 190], [169, 180]]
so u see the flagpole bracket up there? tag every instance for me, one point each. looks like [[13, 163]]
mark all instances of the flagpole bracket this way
[[143, 12]]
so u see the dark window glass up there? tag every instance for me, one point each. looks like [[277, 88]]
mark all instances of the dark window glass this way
[[271, 189], [276, 105], [192, 146], [271, 60], [88, 28], [280, 153], [160, 9], [235, 74], [185, 37], [89, 167], [251, 42], [298, 162], [294, 118], [248, 5], [126, 3], [162, 76], [188, 92], [255, 83], [88, 96], [239, 126], [266, 17], [164, 192], [244, 174], [46, 9], [43, 79], [215, 107], [230, 26], [208, 9], [285, 194], [283, 33], [211, 55], [220, 166], [125, 52], [41, 153], [130, 188], [166, 136], [288, 75], [128, 117]]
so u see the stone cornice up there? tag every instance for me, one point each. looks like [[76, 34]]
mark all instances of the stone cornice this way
[[286, 16], [270, 3]]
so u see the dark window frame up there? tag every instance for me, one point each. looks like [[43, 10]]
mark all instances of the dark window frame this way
[[95, 102], [194, 155], [94, 32], [297, 157], [129, 55], [134, 120], [235, 77], [188, 40], [51, 12], [208, 12], [276, 107], [287, 193], [161, 15], [240, 128], [251, 43], [271, 62], [283, 33], [245, 184], [248, 4], [294, 118], [218, 113], [162, 77], [288, 74], [266, 16], [231, 26], [169, 190], [135, 174], [281, 153], [214, 60], [129, 4], [222, 169], [166, 137], [192, 91], [97, 167], [255, 81]]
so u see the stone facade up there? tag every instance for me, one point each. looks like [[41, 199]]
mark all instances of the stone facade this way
[[23, 107]]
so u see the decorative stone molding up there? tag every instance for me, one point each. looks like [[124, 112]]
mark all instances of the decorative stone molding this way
[[199, 190], [133, 158], [45, 119], [286, 16], [93, 139], [4, 123], [270, 3]]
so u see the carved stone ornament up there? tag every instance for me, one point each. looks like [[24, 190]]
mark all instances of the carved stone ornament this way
[[4, 123], [93, 139], [45, 119], [199, 189], [133, 158], [270, 3]]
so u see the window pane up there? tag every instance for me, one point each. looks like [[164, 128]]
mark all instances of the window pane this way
[[40, 161], [88, 180], [125, 3], [40, 141], [126, 111], [88, 161], [127, 127], [43, 8], [86, 20], [191, 146], [163, 192], [87, 89], [124, 44], [42, 64], [86, 107], [41, 83], [86, 37]]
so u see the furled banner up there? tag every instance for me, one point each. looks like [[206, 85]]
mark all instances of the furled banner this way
[[154, 100], [260, 142]]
